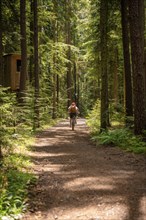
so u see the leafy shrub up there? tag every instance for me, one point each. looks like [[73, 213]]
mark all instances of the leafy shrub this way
[[93, 119], [14, 180], [14, 175], [116, 137], [13, 193], [123, 138]]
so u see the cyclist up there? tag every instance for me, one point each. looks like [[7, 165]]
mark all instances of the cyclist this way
[[73, 110]]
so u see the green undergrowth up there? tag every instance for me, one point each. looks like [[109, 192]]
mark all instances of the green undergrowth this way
[[117, 134], [16, 174], [15, 177], [18, 127], [123, 138]]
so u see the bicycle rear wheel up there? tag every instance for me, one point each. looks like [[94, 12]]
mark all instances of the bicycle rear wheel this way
[[73, 123]]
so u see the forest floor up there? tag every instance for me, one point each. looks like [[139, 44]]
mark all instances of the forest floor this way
[[80, 181]]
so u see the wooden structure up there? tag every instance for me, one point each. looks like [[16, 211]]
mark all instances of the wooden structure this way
[[12, 68]]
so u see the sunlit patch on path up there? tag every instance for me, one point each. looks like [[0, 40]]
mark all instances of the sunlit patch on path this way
[[80, 181]]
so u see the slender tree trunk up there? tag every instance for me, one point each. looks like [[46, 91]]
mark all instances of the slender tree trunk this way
[[142, 10], [75, 81], [68, 41], [115, 89], [54, 87], [31, 37], [104, 76], [54, 97], [36, 66], [127, 65], [1, 46], [1, 63], [58, 90], [23, 74], [137, 51], [78, 91], [55, 38], [145, 42], [57, 76], [75, 67], [145, 64], [98, 80]]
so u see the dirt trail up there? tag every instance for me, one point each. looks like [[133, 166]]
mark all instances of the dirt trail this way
[[79, 181]]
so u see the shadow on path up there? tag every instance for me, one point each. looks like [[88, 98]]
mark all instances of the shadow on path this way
[[78, 180]]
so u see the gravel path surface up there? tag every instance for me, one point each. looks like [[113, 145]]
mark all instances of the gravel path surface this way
[[81, 181]]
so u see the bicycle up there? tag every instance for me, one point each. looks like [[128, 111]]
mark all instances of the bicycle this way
[[73, 122]]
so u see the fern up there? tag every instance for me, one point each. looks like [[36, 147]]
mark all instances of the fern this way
[[123, 138]]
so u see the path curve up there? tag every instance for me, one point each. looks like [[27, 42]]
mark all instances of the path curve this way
[[80, 181]]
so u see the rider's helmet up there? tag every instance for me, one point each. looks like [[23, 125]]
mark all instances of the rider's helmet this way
[[73, 103]]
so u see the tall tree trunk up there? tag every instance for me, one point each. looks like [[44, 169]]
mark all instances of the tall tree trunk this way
[[75, 66], [145, 42], [54, 87], [55, 39], [137, 52], [31, 37], [75, 81], [142, 29], [36, 66], [68, 41], [1, 46], [115, 89], [78, 90], [104, 76], [23, 74], [57, 76], [1, 61], [58, 82], [127, 65]]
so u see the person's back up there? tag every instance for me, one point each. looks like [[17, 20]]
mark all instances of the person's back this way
[[73, 110]]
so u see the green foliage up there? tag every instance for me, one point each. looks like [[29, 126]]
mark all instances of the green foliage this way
[[93, 119], [116, 137], [117, 116], [123, 138], [13, 189], [15, 177], [7, 118], [15, 136]]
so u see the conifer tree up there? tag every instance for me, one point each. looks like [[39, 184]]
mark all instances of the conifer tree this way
[[137, 53], [104, 76]]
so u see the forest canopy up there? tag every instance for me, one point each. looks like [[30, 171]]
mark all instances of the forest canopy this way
[[53, 52], [87, 51]]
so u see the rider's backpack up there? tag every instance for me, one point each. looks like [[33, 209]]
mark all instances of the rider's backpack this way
[[73, 109]]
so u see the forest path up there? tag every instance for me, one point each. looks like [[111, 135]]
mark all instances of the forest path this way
[[79, 181]]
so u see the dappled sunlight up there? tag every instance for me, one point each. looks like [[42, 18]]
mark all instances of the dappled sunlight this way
[[118, 173], [143, 206], [91, 212], [53, 167], [81, 181], [92, 183]]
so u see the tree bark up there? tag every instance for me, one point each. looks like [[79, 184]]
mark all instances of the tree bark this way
[[55, 39], [31, 37], [127, 65], [145, 42], [23, 72], [137, 53], [68, 41], [1, 46], [104, 76], [36, 66], [115, 88]]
